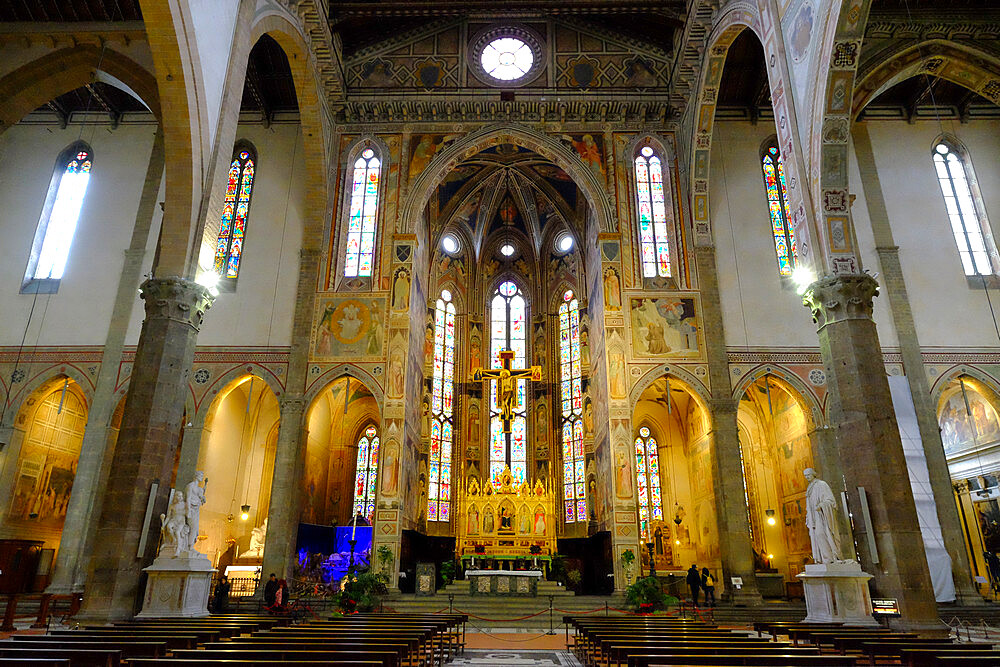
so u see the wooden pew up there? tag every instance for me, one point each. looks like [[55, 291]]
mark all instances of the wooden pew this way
[[129, 649], [616, 652], [622, 654], [891, 649], [333, 655], [409, 644], [173, 641], [745, 660], [195, 662], [400, 650], [922, 657], [91, 657], [429, 639], [202, 634], [36, 662]]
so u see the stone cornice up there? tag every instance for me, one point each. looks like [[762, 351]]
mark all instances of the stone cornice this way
[[463, 109], [176, 299], [56, 35], [690, 52], [324, 45], [933, 25]]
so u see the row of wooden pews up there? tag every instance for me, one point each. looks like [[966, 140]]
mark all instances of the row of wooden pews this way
[[616, 641], [874, 646], [364, 640]]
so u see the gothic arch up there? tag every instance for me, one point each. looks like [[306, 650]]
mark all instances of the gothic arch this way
[[696, 387], [43, 378], [222, 383], [934, 57], [806, 398], [32, 85], [419, 192], [739, 16], [321, 383], [953, 373]]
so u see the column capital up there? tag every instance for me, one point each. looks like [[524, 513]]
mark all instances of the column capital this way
[[840, 298], [289, 405], [176, 299]]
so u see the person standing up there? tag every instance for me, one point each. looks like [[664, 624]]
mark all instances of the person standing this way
[[708, 585], [222, 595], [271, 590], [694, 583]]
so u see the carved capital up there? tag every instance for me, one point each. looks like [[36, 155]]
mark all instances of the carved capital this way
[[291, 405], [838, 298], [176, 299]]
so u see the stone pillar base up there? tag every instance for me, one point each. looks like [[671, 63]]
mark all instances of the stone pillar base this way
[[837, 593], [177, 588]]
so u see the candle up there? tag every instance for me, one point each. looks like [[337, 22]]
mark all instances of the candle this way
[[354, 525]]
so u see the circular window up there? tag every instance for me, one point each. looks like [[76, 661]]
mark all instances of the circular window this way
[[506, 58], [506, 250], [449, 244], [564, 243], [446, 296], [506, 55]]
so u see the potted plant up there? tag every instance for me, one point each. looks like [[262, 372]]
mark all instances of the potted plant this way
[[628, 557], [447, 572], [647, 596], [384, 555]]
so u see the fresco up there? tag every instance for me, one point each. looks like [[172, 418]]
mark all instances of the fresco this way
[[349, 327], [961, 430], [665, 327]]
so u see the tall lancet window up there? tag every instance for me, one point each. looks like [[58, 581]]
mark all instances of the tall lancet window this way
[[442, 408], [777, 204], [652, 214], [60, 214], [235, 210], [570, 380], [965, 212], [366, 473], [508, 324], [362, 222], [647, 473]]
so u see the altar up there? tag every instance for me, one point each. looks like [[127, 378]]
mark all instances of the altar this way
[[518, 583]]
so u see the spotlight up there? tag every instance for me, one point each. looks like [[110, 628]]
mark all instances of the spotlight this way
[[210, 280], [770, 517], [677, 542], [803, 277], [770, 556], [244, 512]]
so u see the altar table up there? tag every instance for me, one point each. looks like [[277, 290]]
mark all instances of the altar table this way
[[517, 583]]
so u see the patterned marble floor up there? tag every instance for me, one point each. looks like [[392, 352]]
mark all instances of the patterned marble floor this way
[[484, 657]]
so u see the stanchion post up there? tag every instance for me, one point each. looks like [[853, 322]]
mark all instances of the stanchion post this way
[[606, 609], [551, 628], [451, 603]]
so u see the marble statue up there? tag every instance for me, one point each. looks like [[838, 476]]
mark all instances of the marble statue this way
[[257, 537], [821, 519], [173, 526], [195, 499]]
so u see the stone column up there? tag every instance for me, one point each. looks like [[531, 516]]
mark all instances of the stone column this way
[[71, 559], [871, 453], [913, 363], [190, 450], [283, 511], [730, 496], [144, 454]]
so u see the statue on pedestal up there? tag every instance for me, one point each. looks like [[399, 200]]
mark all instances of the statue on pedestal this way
[[821, 519], [173, 525], [257, 537], [195, 499]]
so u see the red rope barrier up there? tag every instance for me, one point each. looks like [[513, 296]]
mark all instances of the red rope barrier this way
[[483, 618]]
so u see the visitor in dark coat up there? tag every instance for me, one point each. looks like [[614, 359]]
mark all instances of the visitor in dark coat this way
[[694, 583], [271, 590], [222, 595]]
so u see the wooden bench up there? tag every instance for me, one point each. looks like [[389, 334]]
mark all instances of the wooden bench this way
[[921, 657], [173, 641], [400, 650], [429, 640], [409, 643], [195, 662], [36, 662], [91, 657], [776, 660], [622, 654], [385, 658], [890, 649], [139, 649]]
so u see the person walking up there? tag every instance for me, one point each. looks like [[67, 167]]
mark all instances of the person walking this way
[[271, 590], [708, 585], [694, 583], [222, 595]]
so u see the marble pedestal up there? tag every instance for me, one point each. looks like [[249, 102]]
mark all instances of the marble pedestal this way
[[177, 587], [837, 593]]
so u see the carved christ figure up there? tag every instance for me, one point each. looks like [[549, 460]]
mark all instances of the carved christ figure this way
[[506, 378], [821, 519]]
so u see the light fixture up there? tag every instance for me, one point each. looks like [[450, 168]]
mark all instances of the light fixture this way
[[244, 512], [770, 517], [770, 556], [450, 244], [942, 149], [803, 277], [506, 250], [565, 243], [677, 542]]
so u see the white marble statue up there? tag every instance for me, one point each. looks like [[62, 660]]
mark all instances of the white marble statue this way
[[195, 499], [821, 519], [257, 537], [173, 526]]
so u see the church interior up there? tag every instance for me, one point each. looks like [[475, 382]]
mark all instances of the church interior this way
[[502, 301]]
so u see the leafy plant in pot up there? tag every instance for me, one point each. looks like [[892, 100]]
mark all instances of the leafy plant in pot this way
[[646, 596], [447, 572]]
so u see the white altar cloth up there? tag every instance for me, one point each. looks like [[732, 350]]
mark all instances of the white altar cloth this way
[[512, 573]]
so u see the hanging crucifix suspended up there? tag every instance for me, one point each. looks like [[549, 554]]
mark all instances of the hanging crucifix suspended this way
[[506, 385]]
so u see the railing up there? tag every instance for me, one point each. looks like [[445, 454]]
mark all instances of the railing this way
[[49, 605]]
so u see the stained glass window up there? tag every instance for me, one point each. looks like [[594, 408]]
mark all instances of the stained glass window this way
[[366, 473], [647, 472], [362, 222], [570, 381], [653, 238], [442, 407], [954, 176], [54, 236], [235, 209], [777, 202], [508, 326]]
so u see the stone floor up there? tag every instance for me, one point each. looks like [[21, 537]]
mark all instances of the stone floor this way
[[516, 657]]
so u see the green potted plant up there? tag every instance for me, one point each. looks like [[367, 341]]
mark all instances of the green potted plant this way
[[447, 572], [646, 596], [384, 555], [628, 557]]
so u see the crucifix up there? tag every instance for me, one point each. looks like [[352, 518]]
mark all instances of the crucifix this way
[[505, 377]]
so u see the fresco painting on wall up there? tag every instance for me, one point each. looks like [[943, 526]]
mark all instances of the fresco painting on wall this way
[[794, 513], [960, 430], [350, 327], [794, 456], [665, 327]]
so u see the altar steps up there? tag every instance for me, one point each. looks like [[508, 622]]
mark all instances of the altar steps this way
[[508, 613], [461, 588]]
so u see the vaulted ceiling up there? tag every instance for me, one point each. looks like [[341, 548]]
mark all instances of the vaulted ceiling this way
[[70, 11]]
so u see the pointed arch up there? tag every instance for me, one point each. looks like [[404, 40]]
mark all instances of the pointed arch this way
[[366, 162]]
